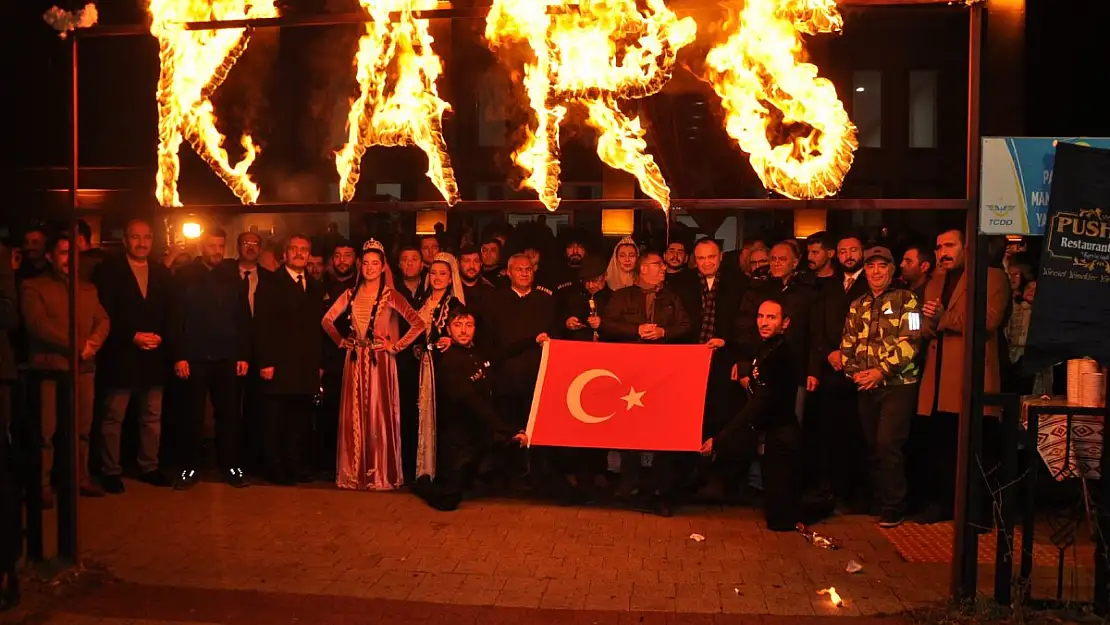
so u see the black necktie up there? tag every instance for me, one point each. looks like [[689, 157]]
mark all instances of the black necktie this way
[[300, 282]]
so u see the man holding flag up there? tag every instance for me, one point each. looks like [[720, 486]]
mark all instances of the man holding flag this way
[[647, 312], [772, 388]]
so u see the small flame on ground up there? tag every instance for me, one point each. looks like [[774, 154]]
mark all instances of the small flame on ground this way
[[834, 597], [789, 120], [593, 54], [193, 64], [398, 103]]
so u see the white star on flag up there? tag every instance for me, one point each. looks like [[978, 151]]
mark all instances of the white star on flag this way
[[633, 398]]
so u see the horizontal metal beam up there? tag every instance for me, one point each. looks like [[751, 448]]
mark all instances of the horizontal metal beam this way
[[533, 206], [333, 19]]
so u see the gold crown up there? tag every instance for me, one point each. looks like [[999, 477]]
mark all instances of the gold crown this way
[[373, 244]]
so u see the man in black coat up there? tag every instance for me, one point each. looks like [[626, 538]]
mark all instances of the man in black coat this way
[[209, 345], [468, 422], [290, 357], [476, 288], [340, 277], [839, 452], [136, 294], [770, 409], [411, 283], [712, 300], [251, 275], [648, 312], [521, 317]]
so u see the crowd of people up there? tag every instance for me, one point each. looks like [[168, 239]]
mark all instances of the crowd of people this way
[[412, 362]]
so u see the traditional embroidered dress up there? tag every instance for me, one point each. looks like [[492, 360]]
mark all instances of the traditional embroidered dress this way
[[369, 451], [434, 314]]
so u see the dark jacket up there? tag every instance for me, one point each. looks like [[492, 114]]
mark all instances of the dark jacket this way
[[773, 391], [575, 302], [9, 314], [122, 364], [827, 322], [515, 322], [729, 293], [209, 319], [334, 357], [464, 393], [798, 295], [287, 334], [627, 311]]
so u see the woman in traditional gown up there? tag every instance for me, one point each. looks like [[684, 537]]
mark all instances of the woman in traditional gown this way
[[363, 320], [622, 265], [445, 293]]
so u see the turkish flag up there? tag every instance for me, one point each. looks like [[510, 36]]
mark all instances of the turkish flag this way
[[620, 396]]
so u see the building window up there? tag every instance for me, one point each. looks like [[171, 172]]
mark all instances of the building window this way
[[867, 107], [923, 109], [493, 88]]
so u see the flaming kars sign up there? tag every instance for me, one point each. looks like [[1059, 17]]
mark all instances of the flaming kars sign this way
[[397, 104], [767, 92], [193, 64], [589, 53]]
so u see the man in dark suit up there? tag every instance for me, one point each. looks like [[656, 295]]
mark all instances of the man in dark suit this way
[[136, 295], [341, 276], [290, 355], [209, 346], [712, 300], [251, 274], [839, 450]]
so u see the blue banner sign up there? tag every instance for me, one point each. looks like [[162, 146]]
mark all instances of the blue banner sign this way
[[1015, 181]]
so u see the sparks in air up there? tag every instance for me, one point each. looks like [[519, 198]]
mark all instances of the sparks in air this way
[[398, 103], [192, 65], [787, 118], [593, 54]]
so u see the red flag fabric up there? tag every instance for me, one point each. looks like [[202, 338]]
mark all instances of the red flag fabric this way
[[620, 396]]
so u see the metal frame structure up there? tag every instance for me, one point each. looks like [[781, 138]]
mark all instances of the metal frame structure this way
[[965, 547]]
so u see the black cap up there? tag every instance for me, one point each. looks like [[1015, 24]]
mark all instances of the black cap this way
[[592, 267]]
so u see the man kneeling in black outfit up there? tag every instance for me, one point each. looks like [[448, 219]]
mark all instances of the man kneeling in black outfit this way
[[773, 389], [468, 423]]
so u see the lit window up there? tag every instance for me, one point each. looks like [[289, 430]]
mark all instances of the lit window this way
[[867, 107], [923, 109]]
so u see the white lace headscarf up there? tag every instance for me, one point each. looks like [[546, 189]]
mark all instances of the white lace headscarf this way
[[456, 276], [616, 277]]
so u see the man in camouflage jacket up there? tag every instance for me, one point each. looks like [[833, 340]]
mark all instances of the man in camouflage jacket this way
[[878, 347]]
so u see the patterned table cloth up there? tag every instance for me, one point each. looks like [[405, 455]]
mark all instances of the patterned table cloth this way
[[1082, 457]]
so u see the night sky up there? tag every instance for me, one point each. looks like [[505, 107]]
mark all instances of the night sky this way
[[1067, 70]]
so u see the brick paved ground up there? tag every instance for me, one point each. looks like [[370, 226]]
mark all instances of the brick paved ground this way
[[297, 554]]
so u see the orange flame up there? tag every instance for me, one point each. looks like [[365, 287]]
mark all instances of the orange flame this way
[[834, 597], [778, 110], [593, 53], [193, 64], [406, 110]]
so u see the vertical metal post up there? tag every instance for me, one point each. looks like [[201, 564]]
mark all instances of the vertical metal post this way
[[966, 544], [67, 501]]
